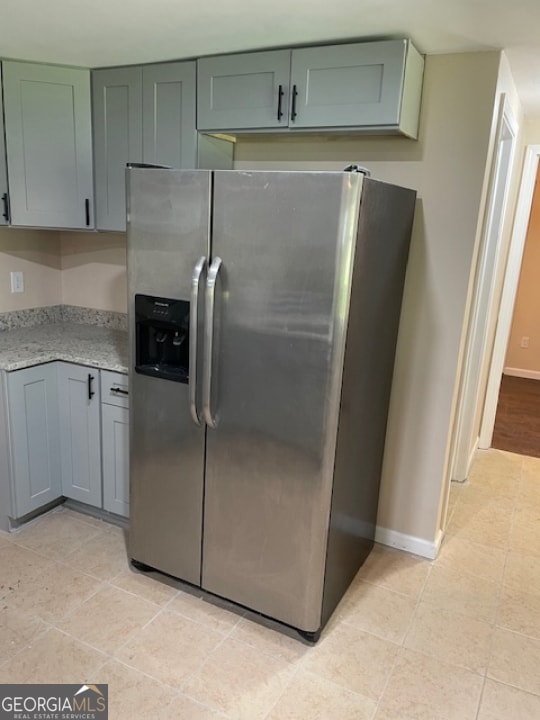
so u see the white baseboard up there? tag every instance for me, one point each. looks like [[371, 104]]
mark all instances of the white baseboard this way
[[409, 543], [518, 372]]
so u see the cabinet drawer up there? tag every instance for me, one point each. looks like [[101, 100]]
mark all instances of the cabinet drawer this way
[[114, 388]]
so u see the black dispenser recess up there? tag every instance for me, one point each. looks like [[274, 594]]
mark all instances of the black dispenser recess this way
[[162, 337]]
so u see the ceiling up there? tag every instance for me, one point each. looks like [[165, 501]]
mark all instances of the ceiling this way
[[117, 32]]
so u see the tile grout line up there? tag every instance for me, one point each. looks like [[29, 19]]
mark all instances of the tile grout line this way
[[481, 696], [498, 588], [499, 598]]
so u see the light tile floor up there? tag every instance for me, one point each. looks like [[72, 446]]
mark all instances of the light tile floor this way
[[454, 639]]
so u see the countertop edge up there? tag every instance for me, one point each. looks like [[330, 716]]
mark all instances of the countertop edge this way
[[79, 344], [60, 357]]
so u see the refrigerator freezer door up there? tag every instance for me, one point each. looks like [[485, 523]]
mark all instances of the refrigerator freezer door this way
[[281, 310], [168, 233]]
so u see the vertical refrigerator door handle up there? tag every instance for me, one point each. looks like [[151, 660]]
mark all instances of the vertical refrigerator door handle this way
[[209, 341], [193, 327]]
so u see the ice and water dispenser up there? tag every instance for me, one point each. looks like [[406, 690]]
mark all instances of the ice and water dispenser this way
[[162, 337]]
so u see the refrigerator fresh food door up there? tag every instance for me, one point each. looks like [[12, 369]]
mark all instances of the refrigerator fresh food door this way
[[279, 309], [168, 235]]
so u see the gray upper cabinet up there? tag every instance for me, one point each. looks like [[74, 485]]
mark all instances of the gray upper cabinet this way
[[348, 85], [244, 91], [141, 114], [169, 122], [79, 403], [49, 145], [373, 86], [117, 101], [34, 438], [3, 173]]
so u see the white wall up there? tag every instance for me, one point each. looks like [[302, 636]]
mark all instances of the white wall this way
[[532, 130], [448, 167], [37, 254]]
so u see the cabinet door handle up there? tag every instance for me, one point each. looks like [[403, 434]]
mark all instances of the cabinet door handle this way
[[280, 98], [211, 280], [5, 200], [293, 103], [87, 211], [91, 392], [119, 390]]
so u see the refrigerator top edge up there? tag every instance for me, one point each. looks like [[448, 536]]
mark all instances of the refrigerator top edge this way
[[360, 176], [156, 169]]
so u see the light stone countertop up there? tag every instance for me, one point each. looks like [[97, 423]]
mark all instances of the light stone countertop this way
[[92, 345]]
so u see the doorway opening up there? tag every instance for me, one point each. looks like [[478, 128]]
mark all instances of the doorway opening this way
[[483, 321], [511, 281], [517, 420]]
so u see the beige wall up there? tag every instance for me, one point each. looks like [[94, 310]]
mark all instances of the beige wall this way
[[447, 165], [37, 254], [84, 269], [532, 130], [526, 318], [94, 270], [448, 168]]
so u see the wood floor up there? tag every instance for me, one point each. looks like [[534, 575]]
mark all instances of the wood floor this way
[[517, 423]]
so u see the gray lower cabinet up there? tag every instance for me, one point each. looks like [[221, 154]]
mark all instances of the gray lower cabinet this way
[[33, 439], [141, 114], [4, 216], [58, 439], [80, 433], [115, 442], [372, 86], [48, 127]]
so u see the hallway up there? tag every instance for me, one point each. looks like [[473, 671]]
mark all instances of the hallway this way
[[517, 423]]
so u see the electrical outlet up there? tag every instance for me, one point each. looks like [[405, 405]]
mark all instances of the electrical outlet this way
[[524, 342], [17, 282]]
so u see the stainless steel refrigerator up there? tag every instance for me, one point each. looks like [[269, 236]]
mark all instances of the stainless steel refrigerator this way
[[263, 314]]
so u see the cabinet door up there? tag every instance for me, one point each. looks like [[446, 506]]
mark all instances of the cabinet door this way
[[79, 401], [243, 91], [115, 424], [49, 145], [169, 132], [117, 108], [348, 85], [35, 440], [3, 171]]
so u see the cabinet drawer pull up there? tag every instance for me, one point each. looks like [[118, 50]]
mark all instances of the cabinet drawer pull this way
[[91, 392], [5, 200], [119, 390], [280, 98], [293, 103], [87, 211]]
